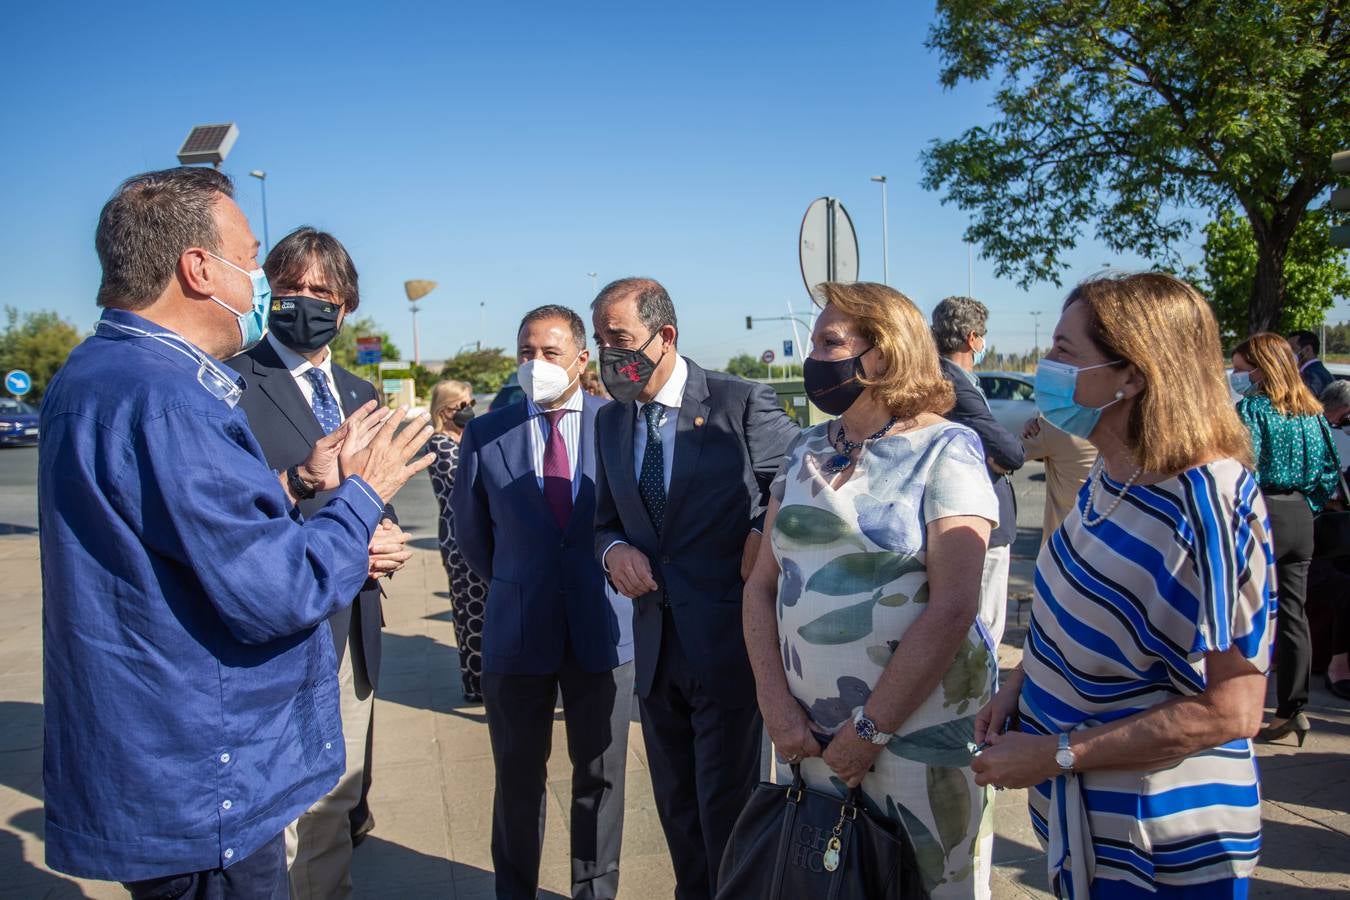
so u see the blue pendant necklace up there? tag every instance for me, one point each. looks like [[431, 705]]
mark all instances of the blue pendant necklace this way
[[844, 458]]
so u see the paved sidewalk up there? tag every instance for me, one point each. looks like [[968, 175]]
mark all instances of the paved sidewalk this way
[[433, 774]]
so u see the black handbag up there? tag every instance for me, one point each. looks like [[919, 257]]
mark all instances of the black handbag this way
[[794, 843]]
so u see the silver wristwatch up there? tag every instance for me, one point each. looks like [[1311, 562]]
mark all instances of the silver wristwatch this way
[[1064, 755], [867, 729]]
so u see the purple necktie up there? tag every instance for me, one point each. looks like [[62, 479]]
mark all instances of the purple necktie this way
[[557, 473]]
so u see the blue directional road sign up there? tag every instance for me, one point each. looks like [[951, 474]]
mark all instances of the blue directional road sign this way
[[18, 383], [787, 349]]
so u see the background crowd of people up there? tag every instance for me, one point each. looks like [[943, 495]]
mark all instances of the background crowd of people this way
[[650, 527]]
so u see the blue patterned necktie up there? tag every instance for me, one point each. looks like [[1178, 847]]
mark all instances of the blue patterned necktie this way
[[652, 478], [325, 407]]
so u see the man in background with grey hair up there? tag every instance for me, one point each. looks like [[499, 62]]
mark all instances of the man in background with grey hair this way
[[960, 326]]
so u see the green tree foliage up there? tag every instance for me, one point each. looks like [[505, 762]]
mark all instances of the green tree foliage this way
[[343, 346], [1123, 116], [747, 366], [1338, 339], [38, 343], [1314, 271], [486, 369]]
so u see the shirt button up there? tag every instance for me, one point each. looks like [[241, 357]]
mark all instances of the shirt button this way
[[229, 853], [226, 805], [224, 757], [328, 745]]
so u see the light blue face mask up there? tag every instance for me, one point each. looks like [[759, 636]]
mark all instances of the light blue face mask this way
[[1240, 382], [252, 322], [1056, 383], [979, 354]]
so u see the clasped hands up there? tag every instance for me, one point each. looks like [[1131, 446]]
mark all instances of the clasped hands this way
[[847, 755]]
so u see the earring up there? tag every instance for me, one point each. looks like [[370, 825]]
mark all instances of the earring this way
[[1120, 395]]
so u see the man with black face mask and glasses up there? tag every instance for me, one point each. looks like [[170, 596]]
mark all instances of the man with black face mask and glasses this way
[[684, 462], [295, 395]]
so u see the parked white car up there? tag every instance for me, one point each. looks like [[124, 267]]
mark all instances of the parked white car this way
[[1012, 398]]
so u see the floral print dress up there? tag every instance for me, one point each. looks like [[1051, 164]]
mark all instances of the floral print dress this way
[[853, 580]]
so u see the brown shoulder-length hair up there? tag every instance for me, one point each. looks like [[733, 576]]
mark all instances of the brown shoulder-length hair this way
[[912, 382], [1184, 415], [1280, 380]]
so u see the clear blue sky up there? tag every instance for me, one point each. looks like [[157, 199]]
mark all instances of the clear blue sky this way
[[507, 150]]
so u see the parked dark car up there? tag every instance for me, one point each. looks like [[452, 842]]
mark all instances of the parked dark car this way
[[510, 393], [18, 423]]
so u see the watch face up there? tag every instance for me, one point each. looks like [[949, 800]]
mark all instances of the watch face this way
[[866, 729], [1064, 758]]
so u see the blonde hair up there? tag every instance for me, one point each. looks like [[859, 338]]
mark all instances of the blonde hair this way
[[1280, 379], [1184, 416], [912, 382], [444, 394]]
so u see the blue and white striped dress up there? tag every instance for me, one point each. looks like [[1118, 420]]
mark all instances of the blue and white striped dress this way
[[1123, 615]]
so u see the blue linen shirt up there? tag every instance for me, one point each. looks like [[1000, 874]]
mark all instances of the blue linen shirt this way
[[191, 696]]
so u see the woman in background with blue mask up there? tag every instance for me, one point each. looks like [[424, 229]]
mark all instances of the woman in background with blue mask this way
[[1298, 469], [1143, 673]]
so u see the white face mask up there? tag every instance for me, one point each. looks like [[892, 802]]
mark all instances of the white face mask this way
[[543, 381]]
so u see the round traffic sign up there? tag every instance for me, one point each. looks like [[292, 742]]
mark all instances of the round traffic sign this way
[[828, 245], [766, 357], [18, 383]]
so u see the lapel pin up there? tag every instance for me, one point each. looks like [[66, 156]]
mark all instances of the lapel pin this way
[[698, 421], [352, 394]]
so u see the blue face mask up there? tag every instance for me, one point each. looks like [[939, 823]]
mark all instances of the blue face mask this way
[[1056, 383], [252, 322], [1240, 382], [979, 354]]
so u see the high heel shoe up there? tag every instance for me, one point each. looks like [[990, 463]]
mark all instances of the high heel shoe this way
[[1297, 724], [1339, 687]]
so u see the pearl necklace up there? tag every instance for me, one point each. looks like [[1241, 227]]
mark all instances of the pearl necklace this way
[[1094, 483]]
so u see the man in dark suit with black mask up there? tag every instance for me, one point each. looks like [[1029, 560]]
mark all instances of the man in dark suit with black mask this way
[[295, 395], [684, 462]]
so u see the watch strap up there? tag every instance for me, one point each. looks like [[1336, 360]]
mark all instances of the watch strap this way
[[302, 489]]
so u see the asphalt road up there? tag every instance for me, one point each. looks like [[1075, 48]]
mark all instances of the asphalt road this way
[[416, 505]]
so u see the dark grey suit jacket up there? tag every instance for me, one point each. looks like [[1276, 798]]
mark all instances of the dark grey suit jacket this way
[[972, 410], [730, 439], [284, 424]]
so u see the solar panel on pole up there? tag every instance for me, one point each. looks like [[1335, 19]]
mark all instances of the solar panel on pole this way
[[208, 144]]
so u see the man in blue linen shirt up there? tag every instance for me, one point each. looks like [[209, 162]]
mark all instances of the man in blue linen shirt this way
[[189, 679]]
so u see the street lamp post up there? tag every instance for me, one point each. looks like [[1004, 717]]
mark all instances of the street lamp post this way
[[885, 238], [262, 180], [1036, 317], [595, 285]]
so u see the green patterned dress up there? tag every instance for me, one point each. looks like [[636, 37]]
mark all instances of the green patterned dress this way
[[853, 579]]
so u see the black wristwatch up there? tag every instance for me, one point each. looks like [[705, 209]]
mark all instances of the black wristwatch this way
[[301, 488]]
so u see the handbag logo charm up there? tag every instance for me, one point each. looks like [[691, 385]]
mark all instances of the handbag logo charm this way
[[832, 854]]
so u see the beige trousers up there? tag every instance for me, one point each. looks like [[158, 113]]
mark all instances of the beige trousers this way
[[319, 843]]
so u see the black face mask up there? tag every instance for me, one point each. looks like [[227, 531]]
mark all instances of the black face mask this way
[[304, 323], [834, 384], [462, 416], [626, 372]]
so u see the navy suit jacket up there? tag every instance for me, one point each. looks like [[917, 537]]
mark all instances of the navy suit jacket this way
[[284, 424], [729, 442], [1004, 448], [546, 592]]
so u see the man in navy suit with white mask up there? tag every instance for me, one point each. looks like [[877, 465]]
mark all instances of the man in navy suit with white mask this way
[[685, 460], [524, 505]]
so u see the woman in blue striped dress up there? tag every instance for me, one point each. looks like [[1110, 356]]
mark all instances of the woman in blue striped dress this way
[[1143, 672]]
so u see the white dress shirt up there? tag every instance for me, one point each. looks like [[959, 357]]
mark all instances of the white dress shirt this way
[[671, 396], [298, 366], [570, 424]]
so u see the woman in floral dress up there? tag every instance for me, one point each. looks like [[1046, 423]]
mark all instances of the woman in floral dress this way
[[451, 410], [860, 615]]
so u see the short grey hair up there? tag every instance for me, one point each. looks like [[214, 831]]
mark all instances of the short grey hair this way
[[654, 307], [1336, 394], [953, 321], [147, 224]]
